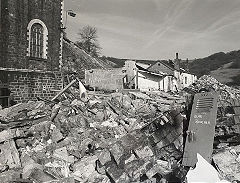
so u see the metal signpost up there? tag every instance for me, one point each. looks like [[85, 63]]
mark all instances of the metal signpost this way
[[200, 134]]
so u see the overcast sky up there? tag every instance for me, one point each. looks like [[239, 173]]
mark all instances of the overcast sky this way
[[157, 29]]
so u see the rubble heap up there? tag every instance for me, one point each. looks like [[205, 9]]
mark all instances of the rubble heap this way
[[227, 131], [114, 137], [211, 84], [117, 137]]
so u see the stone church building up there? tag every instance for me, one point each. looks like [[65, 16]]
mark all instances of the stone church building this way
[[30, 49]]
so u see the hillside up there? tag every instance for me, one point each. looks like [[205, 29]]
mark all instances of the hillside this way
[[77, 60], [225, 67]]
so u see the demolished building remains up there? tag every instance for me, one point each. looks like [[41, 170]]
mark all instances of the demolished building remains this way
[[110, 137], [53, 130]]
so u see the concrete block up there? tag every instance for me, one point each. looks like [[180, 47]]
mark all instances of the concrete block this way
[[10, 176], [84, 168], [144, 152], [117, 150], [9, 155], [62, 154], [114, 171], [39, 176], [104, 157], [10, 134]]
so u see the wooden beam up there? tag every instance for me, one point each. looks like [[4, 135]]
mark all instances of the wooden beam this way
[[64, 89]]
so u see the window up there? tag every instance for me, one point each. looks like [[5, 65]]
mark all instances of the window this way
[[37, 39], [36, 42]]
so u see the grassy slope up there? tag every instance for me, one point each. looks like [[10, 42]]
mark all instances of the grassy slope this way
[[77, 60], [223, 66]]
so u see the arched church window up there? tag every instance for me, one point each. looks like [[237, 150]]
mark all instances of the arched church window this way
[[37, 39], [36, 42]]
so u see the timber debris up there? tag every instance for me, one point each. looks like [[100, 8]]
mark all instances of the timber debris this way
[[127, 136]]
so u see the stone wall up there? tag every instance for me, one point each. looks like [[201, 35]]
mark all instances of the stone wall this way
[[27, 86], [15, 16], [111, 79]]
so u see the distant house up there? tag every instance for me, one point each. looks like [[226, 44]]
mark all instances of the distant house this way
[[161, 75], [182, 77], [169, 81], [143, 78]]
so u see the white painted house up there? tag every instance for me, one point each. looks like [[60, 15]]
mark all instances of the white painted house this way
[[144, 79], [162, 75]]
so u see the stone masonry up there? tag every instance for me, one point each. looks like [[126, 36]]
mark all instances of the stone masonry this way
[[27, 86], [14, 34], [30, 74]]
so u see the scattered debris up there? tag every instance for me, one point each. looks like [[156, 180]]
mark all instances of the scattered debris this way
[[227, 129], [204, 172], [82, 136]]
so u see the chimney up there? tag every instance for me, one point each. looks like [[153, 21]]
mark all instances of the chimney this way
[[177, 63]]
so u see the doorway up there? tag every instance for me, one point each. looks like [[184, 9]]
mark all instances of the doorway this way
[[4, 89]]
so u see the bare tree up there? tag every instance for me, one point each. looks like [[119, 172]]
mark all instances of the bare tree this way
[[89, 40]]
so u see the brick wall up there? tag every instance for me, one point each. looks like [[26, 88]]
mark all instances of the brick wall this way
[[3, 30], [27, 86], [15, 17]]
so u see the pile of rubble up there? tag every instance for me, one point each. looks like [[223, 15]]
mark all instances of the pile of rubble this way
[[125, 136], [228, 103], [226, 154], [131, 137], [211, 84]]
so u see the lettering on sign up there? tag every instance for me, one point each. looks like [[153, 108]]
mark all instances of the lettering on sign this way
[[203, 122], [199, 119]]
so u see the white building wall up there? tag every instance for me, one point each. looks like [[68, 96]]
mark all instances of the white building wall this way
[[177, 76], [168, 83], [164, 84], [187, 79], [131, 72], [175, 86], [146, 84]]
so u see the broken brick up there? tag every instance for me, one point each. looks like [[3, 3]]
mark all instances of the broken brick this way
[[104, 157], [117, 151], [10, 134], [144, 152], [10, 176], [9, 154], [62, 154]]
